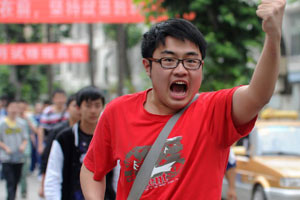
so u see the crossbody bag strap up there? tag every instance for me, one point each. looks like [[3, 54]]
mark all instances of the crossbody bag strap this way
[[145, 171]]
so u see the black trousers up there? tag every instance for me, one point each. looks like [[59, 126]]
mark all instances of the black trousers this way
[[109, 191], [12, 174]]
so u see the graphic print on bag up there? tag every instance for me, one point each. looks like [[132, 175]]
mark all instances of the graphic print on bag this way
[[166, 168]]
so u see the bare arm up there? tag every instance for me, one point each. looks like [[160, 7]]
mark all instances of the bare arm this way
[[40, 135], [54, 174], [34, 128], [23, 146], [5, 147], [92, 190], [230, 176], [249, 100], [41, 191]]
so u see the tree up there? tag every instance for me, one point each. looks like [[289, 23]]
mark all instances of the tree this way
[[126, 36], [26, 82], [231, 29]]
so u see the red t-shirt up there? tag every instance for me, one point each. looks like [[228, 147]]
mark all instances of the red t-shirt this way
[[194, 157]]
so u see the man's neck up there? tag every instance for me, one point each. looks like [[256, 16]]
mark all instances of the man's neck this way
[[153, 106], [11, 118], [72, 121], [88, 128]]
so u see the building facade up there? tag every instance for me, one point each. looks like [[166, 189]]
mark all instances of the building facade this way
[[73, 76], [287, 94]]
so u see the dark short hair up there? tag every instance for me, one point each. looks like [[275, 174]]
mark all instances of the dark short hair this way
[[58, 91], [22, 101], [10, 101], [4, 98], [71, 98], [178, 28], [47, 102], [89, 93]]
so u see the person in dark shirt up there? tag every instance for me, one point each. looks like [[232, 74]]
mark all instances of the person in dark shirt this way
[[70, 146], [74, 117]]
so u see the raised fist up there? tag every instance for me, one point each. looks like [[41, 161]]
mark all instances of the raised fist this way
[[271, 12]]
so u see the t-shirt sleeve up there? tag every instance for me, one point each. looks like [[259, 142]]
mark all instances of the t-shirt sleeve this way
[[1, 132], [227, 132], [43, 120], [100, 157], [24, 131]]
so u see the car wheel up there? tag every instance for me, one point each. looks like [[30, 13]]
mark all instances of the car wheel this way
[[259, 193]]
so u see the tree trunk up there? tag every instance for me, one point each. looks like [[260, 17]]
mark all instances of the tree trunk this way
[[127, 66], [91, 54], [121, 51], [13, 76], [13, 79], [47, 37]]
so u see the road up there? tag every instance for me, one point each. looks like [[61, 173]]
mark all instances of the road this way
[[33, 185]]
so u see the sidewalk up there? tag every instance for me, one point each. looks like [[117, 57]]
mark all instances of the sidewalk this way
[[33, 185]]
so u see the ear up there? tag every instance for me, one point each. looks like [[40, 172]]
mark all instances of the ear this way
[[147, 66]]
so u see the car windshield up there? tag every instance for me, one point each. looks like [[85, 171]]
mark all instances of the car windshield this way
[[279, 140]]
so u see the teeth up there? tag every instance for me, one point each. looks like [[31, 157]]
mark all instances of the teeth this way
[[180, 82]]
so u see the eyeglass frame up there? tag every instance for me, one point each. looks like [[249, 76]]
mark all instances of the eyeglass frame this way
[[178, 61]]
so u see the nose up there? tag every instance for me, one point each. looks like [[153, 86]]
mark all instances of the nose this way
[[93, 109], [180, 69]]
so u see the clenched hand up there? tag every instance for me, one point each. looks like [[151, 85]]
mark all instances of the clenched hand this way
[[271, 12]]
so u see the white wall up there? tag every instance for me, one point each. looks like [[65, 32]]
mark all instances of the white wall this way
[[73, 76]]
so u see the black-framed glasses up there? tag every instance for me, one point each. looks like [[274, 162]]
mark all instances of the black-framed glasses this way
[[171, 63]]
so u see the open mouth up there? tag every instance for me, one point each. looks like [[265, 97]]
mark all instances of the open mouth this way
[[179, 88]]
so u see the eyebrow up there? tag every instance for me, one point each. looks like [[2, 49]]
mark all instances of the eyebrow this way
[[192, 53], [167, 52]]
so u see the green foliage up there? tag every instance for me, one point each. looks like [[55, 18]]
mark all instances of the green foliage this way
[[231, 29], [32, 78], [292, 1], [5, 87], [133, 33], [35, 83], [110, 31]]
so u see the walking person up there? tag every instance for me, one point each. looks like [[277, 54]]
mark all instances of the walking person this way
[[70, 146], [3, 102], [193, 160], [30, 128], [74, 117], [35, 118], [13, 142], [52, 114], [230, 176]]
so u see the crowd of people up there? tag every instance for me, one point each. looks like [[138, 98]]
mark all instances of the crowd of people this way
[[80, 145], [199, 128], [59, 132], [18, 142], [69, 122]]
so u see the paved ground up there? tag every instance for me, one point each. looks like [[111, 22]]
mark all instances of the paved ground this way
[[33, 187]]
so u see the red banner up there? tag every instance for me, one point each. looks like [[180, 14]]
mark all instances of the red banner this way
[[69, 11], [21, 54]]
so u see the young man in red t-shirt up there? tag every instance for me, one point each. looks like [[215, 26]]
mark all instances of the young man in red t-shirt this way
[[194, 157]]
